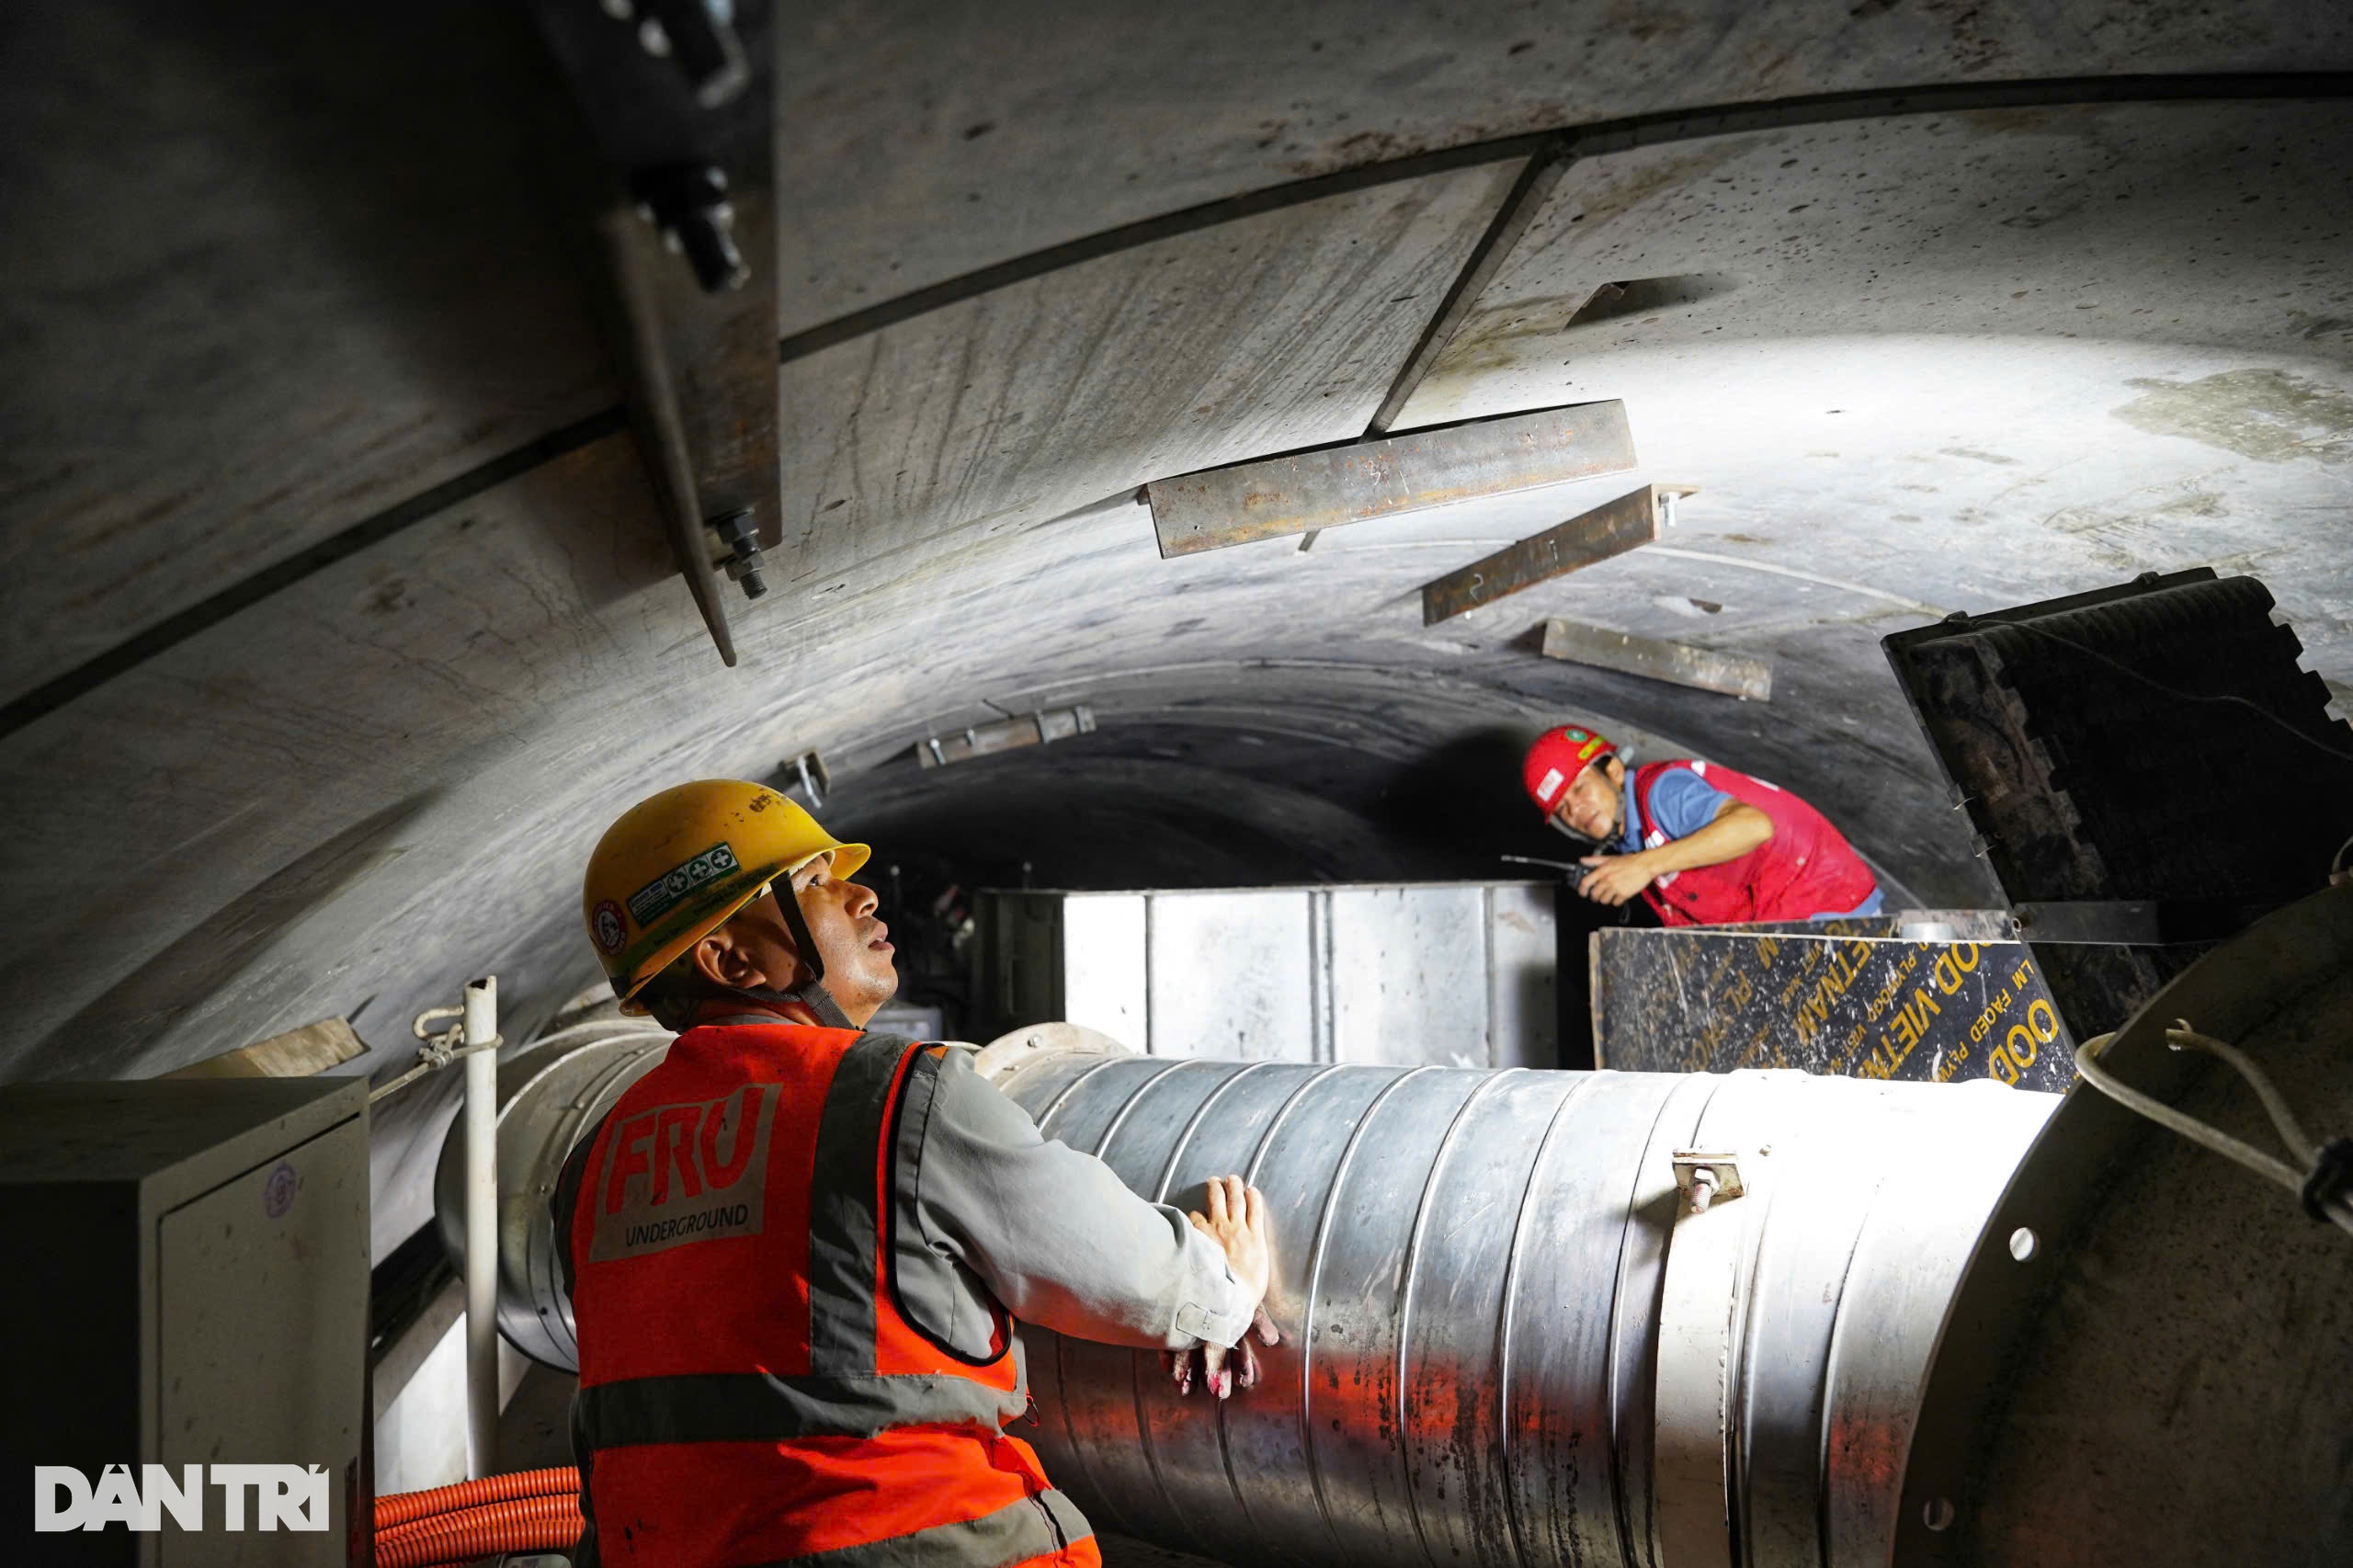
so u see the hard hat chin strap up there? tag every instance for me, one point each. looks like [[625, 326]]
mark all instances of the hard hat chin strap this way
[[810, 992]]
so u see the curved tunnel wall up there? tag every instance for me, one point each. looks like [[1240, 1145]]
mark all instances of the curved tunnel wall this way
[[1975, 354]]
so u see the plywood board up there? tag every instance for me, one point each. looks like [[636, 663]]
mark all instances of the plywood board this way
[[1715, 1001]]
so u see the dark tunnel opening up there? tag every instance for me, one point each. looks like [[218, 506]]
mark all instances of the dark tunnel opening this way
[[1160, 803]]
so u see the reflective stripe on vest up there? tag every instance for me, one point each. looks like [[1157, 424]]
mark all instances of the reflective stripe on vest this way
[[1015, 1533], [722, 1424], [745, 1407]]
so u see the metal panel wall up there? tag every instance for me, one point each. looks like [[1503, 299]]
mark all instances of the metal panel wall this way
[[1458, 975]]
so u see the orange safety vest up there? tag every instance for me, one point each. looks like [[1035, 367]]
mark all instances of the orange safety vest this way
[[751, 1390]]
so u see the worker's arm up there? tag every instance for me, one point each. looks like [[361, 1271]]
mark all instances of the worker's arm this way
[[1738, 828], [1054, 1234]]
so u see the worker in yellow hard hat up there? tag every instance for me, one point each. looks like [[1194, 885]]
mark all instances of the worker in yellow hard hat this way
[[796, 1251], [685, 904]]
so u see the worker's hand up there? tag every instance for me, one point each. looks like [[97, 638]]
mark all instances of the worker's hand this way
[[1237, 1222], [1615, 877]]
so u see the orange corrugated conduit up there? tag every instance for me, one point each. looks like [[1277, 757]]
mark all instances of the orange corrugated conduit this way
[[535, 1510]]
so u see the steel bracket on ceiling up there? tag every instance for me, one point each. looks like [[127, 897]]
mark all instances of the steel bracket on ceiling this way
[[1612, 528], [1324, 487], [679, 94]]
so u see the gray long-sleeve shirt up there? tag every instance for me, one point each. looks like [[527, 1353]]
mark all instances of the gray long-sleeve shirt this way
[[988, 1214], [1049, 1232]]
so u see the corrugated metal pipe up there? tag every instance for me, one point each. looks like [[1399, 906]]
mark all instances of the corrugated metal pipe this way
[[1512, 1333], [1509, 1338]]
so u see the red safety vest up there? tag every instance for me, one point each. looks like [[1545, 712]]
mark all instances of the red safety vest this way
[[1806, 868], [751, 1390]]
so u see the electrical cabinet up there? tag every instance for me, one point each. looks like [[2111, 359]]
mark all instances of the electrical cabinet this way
[[188, 1285]]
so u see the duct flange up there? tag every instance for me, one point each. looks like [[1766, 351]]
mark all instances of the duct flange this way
[[2148, 1358]]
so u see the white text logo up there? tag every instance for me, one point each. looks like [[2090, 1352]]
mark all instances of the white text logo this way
[[282, 1497]]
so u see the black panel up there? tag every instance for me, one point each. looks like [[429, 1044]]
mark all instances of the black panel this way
[[2153, 742]]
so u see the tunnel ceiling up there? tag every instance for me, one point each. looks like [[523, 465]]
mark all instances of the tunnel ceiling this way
[[340, 616]]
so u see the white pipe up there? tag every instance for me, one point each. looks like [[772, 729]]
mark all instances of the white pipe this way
[[481, 1226]]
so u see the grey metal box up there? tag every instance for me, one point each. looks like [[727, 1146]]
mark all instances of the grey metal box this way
[[187, 1284], [1455, 973]]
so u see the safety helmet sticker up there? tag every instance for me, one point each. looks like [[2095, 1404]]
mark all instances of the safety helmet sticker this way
[[1551, 783], [666, 891], [608, 927]]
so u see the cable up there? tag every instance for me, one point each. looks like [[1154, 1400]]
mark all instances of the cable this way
[[399, 1509], [523, 1524], [2336, 1206], [2189, 1127], [2175, 692], [2181, 1037]]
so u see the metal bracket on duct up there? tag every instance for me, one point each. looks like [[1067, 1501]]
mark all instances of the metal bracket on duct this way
[[679, 94], [1699, 1318]]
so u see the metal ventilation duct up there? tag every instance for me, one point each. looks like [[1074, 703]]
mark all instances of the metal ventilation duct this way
[[1493, 1354], [1513, 1336]]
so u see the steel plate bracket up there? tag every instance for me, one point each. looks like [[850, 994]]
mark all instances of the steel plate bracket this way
[[680, 97], [1699, 1318]]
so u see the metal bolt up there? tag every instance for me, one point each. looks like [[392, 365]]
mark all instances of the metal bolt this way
[[738, 550], [653, 38], [1704, 1189]]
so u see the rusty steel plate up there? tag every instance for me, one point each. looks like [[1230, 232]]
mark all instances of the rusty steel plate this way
[[1678, 663], [1610, 528], [1323, 488]]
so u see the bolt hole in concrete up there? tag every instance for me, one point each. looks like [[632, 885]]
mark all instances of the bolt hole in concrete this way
[[1937, 1513], [2023, 1245]]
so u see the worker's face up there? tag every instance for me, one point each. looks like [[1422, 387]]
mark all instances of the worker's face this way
[[754, 950], [1594, 807]]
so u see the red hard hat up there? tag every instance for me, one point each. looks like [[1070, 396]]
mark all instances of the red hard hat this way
[[1556, 759]]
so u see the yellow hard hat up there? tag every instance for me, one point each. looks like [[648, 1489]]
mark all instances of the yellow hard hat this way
[[678, 865]]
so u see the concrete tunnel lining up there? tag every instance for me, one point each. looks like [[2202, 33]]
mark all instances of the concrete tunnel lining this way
[[336, 800], [341, 619]]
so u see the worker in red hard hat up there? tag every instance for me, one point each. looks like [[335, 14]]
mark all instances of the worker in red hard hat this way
[[1703, 845]]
